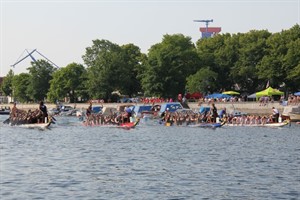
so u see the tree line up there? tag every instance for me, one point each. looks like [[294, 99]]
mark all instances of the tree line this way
[[242, 62]]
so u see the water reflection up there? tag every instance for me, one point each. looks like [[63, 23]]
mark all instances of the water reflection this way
[[71, 161]]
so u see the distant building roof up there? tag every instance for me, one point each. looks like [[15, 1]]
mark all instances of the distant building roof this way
[[211, 29]]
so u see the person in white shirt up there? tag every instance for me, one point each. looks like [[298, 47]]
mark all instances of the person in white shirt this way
[[275, 114]]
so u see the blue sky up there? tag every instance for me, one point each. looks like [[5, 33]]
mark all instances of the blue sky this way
[[61, 30]]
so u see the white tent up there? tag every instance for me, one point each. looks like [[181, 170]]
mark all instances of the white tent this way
[[252, 96]]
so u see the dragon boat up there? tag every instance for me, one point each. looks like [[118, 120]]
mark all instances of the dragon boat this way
[[278, 124], [43, 125]]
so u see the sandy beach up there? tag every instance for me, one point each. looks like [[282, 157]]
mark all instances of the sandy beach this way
[[246, 107]]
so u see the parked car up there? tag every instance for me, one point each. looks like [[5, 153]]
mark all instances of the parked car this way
[[170, 107]]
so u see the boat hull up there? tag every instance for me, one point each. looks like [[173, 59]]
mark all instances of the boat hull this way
[[291, 113], [208, 125], [38, 126], [281, 124], [127, 125], [51, 120]]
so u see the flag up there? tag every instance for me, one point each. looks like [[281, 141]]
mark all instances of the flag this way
[[268, 84]]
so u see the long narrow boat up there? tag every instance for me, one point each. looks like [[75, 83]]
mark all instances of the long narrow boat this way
[[4, 110], [279, 124], [126, 125], [129, 125], [31, 125], [200, 125], [208, 125], [36, 125]]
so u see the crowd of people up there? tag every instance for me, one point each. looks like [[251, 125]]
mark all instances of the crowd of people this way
[[19, 116], [212, 116], [180, 117], [114, 118]]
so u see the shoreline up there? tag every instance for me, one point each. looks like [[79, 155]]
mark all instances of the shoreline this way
[[246, 107]]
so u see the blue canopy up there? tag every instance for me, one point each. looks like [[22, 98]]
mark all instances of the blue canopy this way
[[297, 93], [218, 96]]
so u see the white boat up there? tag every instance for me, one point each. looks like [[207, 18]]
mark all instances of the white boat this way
[[32, 125], [4, 110], [279, 124], [36, 125], [291, 112]]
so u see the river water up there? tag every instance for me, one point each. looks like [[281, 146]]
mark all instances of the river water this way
[[71, 161]]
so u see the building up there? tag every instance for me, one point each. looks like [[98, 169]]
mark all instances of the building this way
[[208, 32]]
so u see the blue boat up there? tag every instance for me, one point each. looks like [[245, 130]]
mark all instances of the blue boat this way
[[208, 125]]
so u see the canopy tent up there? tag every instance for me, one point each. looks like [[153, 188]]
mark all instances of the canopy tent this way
[[297, 93], [230, 92], [268, 92], [218, 96], [252, 96]]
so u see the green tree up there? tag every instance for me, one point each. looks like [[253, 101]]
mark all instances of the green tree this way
[[41, 74], [20, 85], [6, 85], [130, 83], [105, 67], [282, 59], [220, 54], [67, 82], [168, 65], [252, 49], [292, 65], [110, 68], [204, 81]]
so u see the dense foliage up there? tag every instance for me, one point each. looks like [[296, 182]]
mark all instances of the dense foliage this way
[[242, 62], [68, 82]]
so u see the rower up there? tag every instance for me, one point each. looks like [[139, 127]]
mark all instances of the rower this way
[[275, 114], [43, 109], [14, 111]]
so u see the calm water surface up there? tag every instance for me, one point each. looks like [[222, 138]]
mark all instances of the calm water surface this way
[[71, 161]]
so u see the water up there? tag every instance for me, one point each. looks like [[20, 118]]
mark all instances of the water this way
[[150, 162]]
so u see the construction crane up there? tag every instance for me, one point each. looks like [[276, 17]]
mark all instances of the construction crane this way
[[31, 56], [206, 22]]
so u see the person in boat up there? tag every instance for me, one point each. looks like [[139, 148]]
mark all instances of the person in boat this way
[[275, 114], [214, 113], [89, 110], [14, 111], [223, 113], [88, 114], [127, 114], [44, 111]]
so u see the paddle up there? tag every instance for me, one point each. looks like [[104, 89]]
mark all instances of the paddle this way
[[6, 121]]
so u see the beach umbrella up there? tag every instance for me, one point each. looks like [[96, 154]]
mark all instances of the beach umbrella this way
[[230, 92], [297, 93]]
